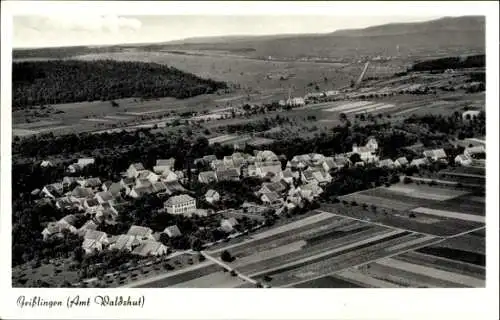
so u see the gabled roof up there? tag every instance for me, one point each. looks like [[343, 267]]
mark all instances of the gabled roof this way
[[105, 195], [402, 160], [95, 235], [275, 186], [107, 183], [231, 221], [138, 231], [211, 193], [207, 174], [92, 202], [128, 181], [143, 190], [89, 225], [272, 196], [476, 149], [137, 166], [69, 219], [227, 173], [159, 186], [386, 163], [92, 182], [165, 162], [123, 241], [173, 231], [90, 244], [148, 247], [80, 192], [115, 188], [180, 199]]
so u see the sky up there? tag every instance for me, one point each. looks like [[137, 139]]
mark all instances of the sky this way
[[56, 30]]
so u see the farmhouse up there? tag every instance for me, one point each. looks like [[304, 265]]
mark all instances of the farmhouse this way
[[124, 242], [163, 165], [98, 236], [139, 192], [212, 196], [271, 198], [89, 246], [470, 114], [81, 193], [329, 164], [207, 177], [73, 168], [69, 181], [227, 174], [83, 162], [401, 162], [53, 190], [147, 175], [104, 196], [419, 162], [386, 163], [289, 175], [159, 187], [46, 164], [296, 102], [263, 168], [89, 225], [56, 228], [141, 233], [172, 231], [435, 155], [91, 205], [181, 204], [150, 248], [265, 156], [475, 152], [90, 183], [463, 160], [134, 169], [169, 176], [116, 188]]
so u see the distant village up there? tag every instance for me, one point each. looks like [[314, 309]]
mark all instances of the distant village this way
[[283, 188]]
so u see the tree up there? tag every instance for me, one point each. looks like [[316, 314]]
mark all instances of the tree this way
[[355, 158], [342, 117], [114, 104], [226, 256]]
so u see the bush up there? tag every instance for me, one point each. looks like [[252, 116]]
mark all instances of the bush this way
[[226, 256]]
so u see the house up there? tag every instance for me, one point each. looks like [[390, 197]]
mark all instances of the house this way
[[127, 184], [252, 170], [271, 198], [207, 177], [372, 144], [401, 162], [174, 186], [82, 193], [91, 205], [124, 242], [107, 216], [212, 196], [227, 174], [46, 164], [115, 189], [83, 162], [67, 203], [329, 164], [435, 155], [342, 161], [228, 225], [148, 175], [68, 222], [181, 204], [104, 196], [159, 187], [277, 187], [90, 245], [172, 231], [134, 169], [477, 151], [266, 156], [139, 192], [366, 154], [89, 225], [53, 229], [141, 233], [386, 163], [419, 162], [470, 114], [90, 183], [163, 165], [308, 191], [289, 175], [150, 248], [53, 190], [263, 168], [73, 168], [169, 176], [295, 102], [463, 160], [69, 181]]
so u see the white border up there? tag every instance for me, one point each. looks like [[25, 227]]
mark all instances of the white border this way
[[278, 303]]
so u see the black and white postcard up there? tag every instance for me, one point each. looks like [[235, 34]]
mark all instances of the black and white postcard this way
[[297, 160]]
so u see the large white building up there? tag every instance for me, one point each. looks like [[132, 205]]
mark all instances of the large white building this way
[[181, 204]]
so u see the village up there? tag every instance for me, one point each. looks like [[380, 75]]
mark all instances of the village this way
[[283, 188]]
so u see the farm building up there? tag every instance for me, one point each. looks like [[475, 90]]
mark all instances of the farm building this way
[[296, 102], [172, 231], [475, 152], [150, 248], [419, 162], [181, 204], [212, 196], [45, 164], [207, 177], [140, 233], [89, 225], [463, 160], [471, 114], [123, 242], [134, 169], [227, 174], [386, 163], [435, 155], [163, 165], [401, 162], [271, 198]]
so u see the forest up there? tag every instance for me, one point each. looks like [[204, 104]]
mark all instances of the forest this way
[[476, 61], [67, 81]]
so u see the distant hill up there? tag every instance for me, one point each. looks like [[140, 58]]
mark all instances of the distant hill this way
[[447, 24], [445, 36]]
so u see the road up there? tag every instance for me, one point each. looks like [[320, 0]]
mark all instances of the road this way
[[228, 268]]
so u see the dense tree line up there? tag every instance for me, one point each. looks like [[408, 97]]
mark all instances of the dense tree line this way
[[66, 81], [476, 61]]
